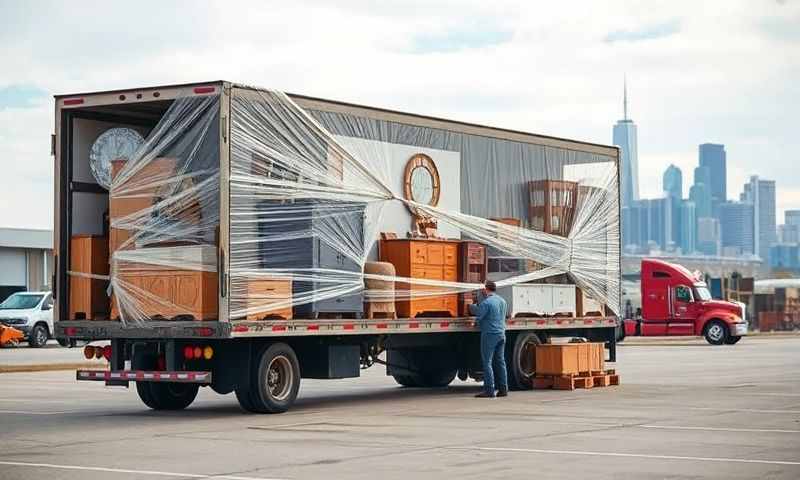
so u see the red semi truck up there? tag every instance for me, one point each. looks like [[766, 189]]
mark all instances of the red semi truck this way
[[676, 302]]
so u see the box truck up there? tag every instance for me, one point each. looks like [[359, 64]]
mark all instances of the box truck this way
[[242, 239]]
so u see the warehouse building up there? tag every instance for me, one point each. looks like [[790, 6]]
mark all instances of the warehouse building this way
[[26, 260]]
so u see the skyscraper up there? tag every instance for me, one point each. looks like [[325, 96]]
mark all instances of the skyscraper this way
[[736, 228], [713, 156], [761, 193], [700, 192], [673, 182], [625, 138], [790, 230], [688, 227]]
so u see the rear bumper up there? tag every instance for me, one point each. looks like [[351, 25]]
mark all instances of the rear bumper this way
[[203, 378]]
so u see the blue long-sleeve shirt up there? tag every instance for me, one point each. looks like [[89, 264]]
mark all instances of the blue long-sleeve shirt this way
[[491, 314]]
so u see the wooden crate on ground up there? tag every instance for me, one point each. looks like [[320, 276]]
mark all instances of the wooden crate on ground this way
[[569, 358], [602, 378]]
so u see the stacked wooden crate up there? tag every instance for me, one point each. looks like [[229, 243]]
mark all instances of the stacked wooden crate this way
[[572, 365]]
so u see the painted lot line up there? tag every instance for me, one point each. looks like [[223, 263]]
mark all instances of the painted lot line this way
[[128, 471], [720, 429], [627, 455]]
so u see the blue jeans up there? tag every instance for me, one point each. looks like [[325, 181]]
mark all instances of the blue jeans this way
[[493, 347]]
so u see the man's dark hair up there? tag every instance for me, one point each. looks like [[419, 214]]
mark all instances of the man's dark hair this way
[[490, 285]]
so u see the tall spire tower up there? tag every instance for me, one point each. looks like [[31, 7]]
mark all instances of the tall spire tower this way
[[625, 139], [625, 97]]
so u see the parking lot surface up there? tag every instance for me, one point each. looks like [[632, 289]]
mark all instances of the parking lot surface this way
[[683, 410]]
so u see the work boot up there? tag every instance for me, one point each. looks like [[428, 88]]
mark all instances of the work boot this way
[[502, 393], [484, 395]]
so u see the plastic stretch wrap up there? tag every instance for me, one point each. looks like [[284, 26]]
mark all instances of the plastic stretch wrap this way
[[310, 193], [304, 178]]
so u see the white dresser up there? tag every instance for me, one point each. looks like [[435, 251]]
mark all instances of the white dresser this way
[[538, 298]]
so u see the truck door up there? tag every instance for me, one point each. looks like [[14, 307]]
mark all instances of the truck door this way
[[681, 321], [655, 302]]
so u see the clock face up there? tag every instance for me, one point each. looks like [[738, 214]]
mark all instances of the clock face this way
[[421, 180], [422, 185], [113, 144]]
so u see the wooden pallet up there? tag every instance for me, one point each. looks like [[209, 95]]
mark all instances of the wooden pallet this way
[[599, 378]]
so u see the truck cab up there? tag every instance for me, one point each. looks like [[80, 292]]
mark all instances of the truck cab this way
[[676, 302]]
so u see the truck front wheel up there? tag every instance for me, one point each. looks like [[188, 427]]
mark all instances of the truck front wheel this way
[[168, 395], [716, 332], [274, 383]]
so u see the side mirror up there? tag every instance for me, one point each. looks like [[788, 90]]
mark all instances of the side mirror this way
[[46, 307]]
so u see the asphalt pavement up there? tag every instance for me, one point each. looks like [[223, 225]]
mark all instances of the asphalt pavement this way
[[683, 410]]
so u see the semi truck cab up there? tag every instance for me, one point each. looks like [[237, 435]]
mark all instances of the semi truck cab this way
[[676, 302]]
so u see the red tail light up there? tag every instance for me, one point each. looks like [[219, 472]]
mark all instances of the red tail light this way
[[73, 101], [198, 352], [107, 352], [188, 352], [204, 89]]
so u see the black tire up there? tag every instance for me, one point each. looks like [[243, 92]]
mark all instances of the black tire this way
[[732, 340], [520, 360], [716, 332], [426, 370], [38, 336], [66, 343], [168, 395], [274, 382]]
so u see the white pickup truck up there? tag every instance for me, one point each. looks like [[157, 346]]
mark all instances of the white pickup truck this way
[[31, 313]]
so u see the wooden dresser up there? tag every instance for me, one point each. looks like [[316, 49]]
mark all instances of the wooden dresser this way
[[169, 293], [87, 296], [428, 259], [261, 293]]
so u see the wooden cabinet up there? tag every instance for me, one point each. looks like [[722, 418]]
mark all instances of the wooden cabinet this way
[[428, 259], [87, 296], [261, 294], [552, 205], [472, 268], [164, 294], [153, 291]]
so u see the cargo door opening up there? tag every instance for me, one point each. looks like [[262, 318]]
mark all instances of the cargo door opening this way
[[154, 214]]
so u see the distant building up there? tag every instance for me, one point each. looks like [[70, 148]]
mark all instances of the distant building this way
[[761, 193], [625, 138], [789, 232], [700, 192], [688, 227], [713, 157], [672, 182], [26, 260], [784, 257], [708, 236], [736, 228]]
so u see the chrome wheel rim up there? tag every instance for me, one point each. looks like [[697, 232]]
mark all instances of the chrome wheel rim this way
[[41, 336], [715, 332], [280, 378]]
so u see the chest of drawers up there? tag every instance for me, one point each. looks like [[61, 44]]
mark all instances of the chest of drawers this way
[[428, 259], [299, 238]]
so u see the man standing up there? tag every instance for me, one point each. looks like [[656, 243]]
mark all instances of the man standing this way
[[491, 316]]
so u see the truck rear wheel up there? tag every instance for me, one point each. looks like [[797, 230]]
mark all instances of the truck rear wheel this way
[[521, 360], [716, 332], [168, 395], [274, 381]]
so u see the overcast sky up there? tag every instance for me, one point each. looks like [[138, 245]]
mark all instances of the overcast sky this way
[[724, 72]]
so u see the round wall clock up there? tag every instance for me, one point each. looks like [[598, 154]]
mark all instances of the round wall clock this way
[[113, 144], [421, 180]]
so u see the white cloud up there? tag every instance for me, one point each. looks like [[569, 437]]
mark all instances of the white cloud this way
[[722, 71]]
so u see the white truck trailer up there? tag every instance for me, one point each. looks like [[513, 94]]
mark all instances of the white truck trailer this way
[[240, 238]]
